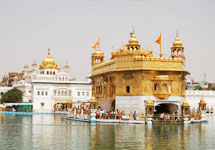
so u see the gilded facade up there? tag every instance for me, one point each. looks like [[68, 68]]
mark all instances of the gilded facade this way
[[134, 75]]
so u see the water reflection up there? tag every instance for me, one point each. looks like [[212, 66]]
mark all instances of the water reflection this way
[[55, 132]]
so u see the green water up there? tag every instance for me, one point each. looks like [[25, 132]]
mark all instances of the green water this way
[[54, 132]]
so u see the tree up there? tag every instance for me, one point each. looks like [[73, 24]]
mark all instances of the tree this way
[[211, 88], [198, 87], [12, 96]]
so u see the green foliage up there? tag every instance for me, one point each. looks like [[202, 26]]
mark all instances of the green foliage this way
[[211, 88], [198, 87], [12, 96]]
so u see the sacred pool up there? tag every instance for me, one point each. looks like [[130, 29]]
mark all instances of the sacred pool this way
[[54, 132]]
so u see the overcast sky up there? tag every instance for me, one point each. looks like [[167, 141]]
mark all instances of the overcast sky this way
[[71, 27]]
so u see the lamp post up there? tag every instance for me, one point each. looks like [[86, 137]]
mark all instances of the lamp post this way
[[185, 111], [149, 111], [93, 106], [202, 109]]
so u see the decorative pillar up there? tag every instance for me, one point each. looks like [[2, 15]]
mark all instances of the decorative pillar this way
[[93, 106], [202, 109], [185, 111], [149, 111]]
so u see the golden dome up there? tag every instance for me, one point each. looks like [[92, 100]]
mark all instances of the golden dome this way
[[97, 52], [177, 42], [34, 63], [185, 103], [93, 99], [66, 66], [150, 103], [26, 66], [48, 62], [133, 39], [202, 101]]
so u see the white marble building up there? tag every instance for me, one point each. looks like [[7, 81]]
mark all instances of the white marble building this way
[[51, 85], [48, 85], [194, 96]]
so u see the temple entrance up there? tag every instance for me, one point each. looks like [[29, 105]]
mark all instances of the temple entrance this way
[[166, 108]]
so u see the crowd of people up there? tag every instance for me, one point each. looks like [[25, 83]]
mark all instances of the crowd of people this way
[[169, 116], [117, 114]]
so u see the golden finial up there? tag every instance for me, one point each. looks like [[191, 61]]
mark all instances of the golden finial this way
[[67, 65], [48, 51], [177, 42], [132, 28], [34, 63], [26, 66]]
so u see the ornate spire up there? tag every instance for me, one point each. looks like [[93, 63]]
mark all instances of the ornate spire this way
[[48, 51], [26, 66], [177, 42], [34, 63], [67, 65], [133, 39]]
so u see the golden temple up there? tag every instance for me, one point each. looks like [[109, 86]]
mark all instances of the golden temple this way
[[135, 74]]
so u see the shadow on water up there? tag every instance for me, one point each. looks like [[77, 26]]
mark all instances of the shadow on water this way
[[55, 132]]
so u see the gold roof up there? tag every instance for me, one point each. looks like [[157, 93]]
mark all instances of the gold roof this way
[[185, 103], [34, 63], [202, 101], [162, 77], [48, 62], [93, 99], [177, 42], [133, 39], [150, 103], [26, 66]]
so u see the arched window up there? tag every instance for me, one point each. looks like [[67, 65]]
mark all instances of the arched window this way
[[164, 86], [47, 72], [54, 73], [50, 72], [179, 52], [156, 87]]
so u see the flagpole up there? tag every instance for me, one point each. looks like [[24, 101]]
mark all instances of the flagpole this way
[[99, 43], [160, 51], [160, 48]]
